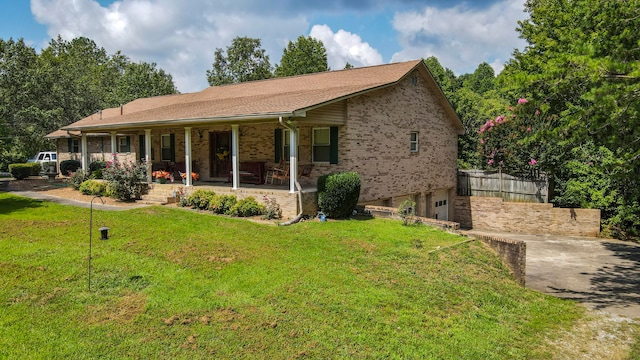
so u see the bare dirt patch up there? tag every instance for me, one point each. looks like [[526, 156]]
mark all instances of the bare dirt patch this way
[[59, 188], [597, 336]]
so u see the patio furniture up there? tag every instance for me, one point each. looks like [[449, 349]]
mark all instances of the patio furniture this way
[[250, 172]]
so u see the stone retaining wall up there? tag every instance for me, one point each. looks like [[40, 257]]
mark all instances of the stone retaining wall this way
[[490, 213]]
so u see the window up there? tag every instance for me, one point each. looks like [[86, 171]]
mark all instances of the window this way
[[414, 141], [74, 146], [286, 144], [124, 144], [321, 145], [166, 147]]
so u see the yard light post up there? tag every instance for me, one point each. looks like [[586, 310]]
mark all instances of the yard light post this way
[[90, 236]]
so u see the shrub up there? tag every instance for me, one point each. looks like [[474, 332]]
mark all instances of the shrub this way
[[407, 212], [246, 207], [21, 171], [222, 204], [93, 187], [96, 168], [200, 199], [338, 194], [77, 178], [69, 166], [36, 168], [271, 209], [127, 181]]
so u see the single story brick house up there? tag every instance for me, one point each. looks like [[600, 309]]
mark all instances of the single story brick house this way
[[390, 123]]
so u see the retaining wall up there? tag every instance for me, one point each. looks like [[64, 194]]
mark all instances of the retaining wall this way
[[489, 213]]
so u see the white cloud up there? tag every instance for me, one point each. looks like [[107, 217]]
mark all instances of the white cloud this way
[[343, 47], [461, 38], [180, 36]]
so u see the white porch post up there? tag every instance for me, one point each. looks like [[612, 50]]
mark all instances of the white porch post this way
[[114, 146], [187, 156], [85, 153], [235, 159], [147, 153], [293, 158]]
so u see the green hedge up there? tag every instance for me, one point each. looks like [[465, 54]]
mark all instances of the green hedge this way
[[69, 166], [23, 171], [338, 194]]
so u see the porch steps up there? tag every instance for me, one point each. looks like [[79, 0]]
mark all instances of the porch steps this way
[[160, 194]]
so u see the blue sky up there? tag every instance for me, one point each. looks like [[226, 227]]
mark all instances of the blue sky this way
[[181, 36]]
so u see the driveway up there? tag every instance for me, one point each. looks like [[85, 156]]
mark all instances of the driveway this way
[[603, 274]]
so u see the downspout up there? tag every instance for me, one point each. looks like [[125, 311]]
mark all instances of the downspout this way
[[299, 188]]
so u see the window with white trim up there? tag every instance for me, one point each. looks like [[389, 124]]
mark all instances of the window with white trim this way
[[74, 146], [414, 141], [124, 144], [321, 144]]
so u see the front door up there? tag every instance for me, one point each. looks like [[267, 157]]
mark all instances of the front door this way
[[220, 153]]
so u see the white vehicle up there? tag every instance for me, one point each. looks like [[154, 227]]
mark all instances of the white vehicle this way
[[44, 158]]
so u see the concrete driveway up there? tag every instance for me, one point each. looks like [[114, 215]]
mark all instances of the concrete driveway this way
[[603, 274]]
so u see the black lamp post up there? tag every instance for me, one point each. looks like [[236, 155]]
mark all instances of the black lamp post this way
[[104, 235]]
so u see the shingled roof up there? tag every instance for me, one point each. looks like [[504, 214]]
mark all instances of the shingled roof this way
[[264, 99]]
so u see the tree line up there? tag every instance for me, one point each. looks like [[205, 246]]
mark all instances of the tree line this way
[[66, 81]]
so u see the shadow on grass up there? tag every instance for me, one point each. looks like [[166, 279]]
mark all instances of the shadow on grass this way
[[15, 203]]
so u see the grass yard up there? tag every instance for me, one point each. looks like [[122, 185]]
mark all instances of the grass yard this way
[[177, 284]]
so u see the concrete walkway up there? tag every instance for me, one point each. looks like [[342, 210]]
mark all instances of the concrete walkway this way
[[96, 204], [603, 274]]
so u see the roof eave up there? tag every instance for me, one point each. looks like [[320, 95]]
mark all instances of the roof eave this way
[[186, 122]]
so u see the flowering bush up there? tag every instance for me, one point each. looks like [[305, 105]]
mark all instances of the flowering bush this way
[[506, 142], [127, 181]]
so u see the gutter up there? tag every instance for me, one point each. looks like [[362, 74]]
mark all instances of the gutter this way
[[299, 192]]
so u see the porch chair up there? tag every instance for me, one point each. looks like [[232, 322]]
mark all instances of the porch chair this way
[[306, 171], [280, 168], [280, 174]]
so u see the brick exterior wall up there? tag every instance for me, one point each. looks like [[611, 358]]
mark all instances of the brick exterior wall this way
[[375, 142], [490, 213]]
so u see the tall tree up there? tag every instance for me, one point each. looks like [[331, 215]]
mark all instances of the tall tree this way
[[244, 60], [305, 56], [68, 80], [582, 64]]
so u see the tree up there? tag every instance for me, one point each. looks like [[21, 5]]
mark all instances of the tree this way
[[245, 60], [582, 64], [305, 56], [68, 80]]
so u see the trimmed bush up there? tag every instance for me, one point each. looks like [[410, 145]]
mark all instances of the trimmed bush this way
[[69, 166], [21, 171], [200, 199], [77, 178], [96, 168], [36, 168], [222, 204], [246, 207], [93, 187], [338, 194]]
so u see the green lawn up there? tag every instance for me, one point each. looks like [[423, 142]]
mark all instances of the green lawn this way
[[172, 283]]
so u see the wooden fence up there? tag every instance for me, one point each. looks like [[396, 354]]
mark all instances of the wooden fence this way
[[507, 187]]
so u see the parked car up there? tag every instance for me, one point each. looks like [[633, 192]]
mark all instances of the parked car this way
[[45, 158]]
